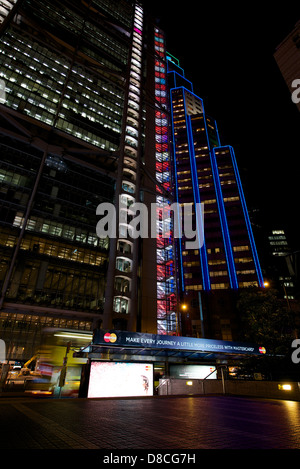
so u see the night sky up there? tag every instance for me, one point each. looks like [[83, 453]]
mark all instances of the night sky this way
[[227, 52]]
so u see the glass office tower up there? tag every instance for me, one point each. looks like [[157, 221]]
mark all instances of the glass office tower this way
[[77, 112], [207, 174]]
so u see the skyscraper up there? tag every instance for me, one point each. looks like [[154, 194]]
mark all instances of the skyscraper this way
[[281, 265], [77, 112], [206, 173], [147, 301]]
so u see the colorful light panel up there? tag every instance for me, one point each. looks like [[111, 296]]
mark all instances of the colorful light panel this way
[[166, 283]]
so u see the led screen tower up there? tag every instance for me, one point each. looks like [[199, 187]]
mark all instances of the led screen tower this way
[[166, 274], [144, 176], [206, 173]]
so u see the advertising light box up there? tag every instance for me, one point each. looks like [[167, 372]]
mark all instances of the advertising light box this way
[[119, 379], [193, 371]]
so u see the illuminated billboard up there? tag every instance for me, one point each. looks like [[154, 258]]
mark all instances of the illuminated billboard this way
[[120, 379], [193, 371], [182, 344]]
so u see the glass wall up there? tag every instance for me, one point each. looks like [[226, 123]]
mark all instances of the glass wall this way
[[76, 88], [61, 262]]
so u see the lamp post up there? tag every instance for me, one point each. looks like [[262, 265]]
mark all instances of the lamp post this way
[[183, 308]]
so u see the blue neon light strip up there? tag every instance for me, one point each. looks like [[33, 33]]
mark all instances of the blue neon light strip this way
[[172, 59], [217, 130], [203, 256], [247, 219], [222, 213], [224, 225], [183, 80], [177, 195]]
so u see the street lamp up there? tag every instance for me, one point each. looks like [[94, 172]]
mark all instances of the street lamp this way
[[184, 309]]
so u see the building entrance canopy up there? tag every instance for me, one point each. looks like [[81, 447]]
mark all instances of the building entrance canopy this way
[[137, 346]]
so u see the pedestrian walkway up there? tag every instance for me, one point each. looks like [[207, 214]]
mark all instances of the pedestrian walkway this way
[[158, 423]]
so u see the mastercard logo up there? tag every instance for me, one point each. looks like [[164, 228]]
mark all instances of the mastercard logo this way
[[262, 350], [108, 337]]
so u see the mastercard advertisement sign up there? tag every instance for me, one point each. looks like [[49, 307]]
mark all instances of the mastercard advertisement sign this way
[[110, 338], [151, 341]]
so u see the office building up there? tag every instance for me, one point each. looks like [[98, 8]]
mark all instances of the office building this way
[[77, 112], [206, 173], [282, 266]]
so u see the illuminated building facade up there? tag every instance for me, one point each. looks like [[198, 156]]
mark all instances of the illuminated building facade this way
[[206, 173], [166, 269], [78, 112], [144, 176], [94, 110]]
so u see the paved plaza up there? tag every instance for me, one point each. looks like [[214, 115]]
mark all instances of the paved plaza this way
[[158, 423]]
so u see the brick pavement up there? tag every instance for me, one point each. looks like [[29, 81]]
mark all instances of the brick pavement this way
[[159, 423]]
